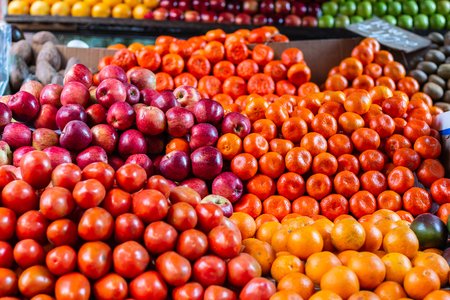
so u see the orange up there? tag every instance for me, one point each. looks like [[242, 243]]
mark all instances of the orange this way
[[420, 281], [389, 290], [261, 251], [351, 68], [369, 268], [245, 223], [438, 295], [324, 226], [304, 242], [267, 230], [340, 280], [435, 262], [320, 263], [279, 240], [402, 240], [325, 295], [358, 102], [298, 283], [284, 265], [345, 256], [285, 295], [348, 234], [350, 121], [397, 265], [374, 237], [364, 295], [295, 223]]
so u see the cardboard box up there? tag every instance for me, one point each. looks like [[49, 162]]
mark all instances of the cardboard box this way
[[442, 124], [87, 56]]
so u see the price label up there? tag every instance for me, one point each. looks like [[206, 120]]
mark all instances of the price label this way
[[389, 35]]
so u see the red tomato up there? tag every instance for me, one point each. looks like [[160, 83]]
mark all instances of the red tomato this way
[[32, 225], [217, 292], [182, 216], [89, 193], [111, 286], [128, 227], [8, 282], [242, 269], [101, 171], [174, 268], [42, 297], [184, 194], [36, 280], [188, 291], [209, 216], [96, 224], [62, 232], [6, 255], [117, 202], [131, 177], [73, 286], [36, 169], [130, 259], [149, 285], [56, 203], [61, 260], [94, 259], [160, 237], [66, 175], [28, 253], [224, 242], [210, 270], [19, 196], [7, 223], [192, 244], [258, 288], [6, 176], [150, 205], [161, 184]]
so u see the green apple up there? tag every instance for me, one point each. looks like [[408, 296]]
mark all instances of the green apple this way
[[379, 9], [347, 8], [443, 7], [410, 7], [427, 7], [326, 21], [405, 21], [364, 9], [341, 21], [390, 19], [437, 22], [330, 8], [394, 8], [447, 18], [356, 19], [421, 22]]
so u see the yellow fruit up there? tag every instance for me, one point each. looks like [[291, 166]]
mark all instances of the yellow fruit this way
[[151, 3], [132, 3], [60, 9], [18, 7], [71, 2], [112, 3], [121, 11], [101, 10], [81, 9], [40, 8], [51, 2], [91, 3]]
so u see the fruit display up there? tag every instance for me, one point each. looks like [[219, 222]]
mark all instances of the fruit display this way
[[174, 173], [246, 12], [408, 14]]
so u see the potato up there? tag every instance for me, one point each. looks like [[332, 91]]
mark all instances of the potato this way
[[50, 54], [446, 99], [435, 56], [419, 75], [57, 79], [43, 37], [428, 67], [438, 80], [45, 72], [18, 71], [433, 90], [70, 62], [436, 38], [444, 71], [23, 49]]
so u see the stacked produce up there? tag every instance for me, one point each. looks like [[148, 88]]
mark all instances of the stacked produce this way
[[114, 185], [409, 14], [247, 12]]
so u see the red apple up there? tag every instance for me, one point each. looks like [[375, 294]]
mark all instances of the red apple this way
[[179, 121], [233, 6], [5, 157], [208, 111], [207, 162], [90, 155], [150, 120], [225, 18], [149, 15], [110, 91], [46, 117], [200, 5], [176, 14], [58, 156], [133, 94], [184, 5], [250, 7], [75, 92], [217, 5], [167, 4], [293, 21], [43, 138], [105, 136], [115, 162], [132, 142], [267, 7], [192, 16], [299, 8], [17, 135], [197, 185], [24, 106], [160, 14], [75, 136], [236, 123], [19, 153], [243, 19], [186, 95], [310, 21], [142, 160], [223, 203], [113, 71], [259, 19], [69, 113], [314, 9], [175, 165], [203, 134], [120, 115], [208, 17], [50, 95], [142, 78], [282, 7], [166, 101], [79, 73], [229, 186], [33, 87], [5, 115], [96, 114]]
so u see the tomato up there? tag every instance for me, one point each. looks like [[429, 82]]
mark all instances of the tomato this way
[[111, 286], [6, 255], [184, 194], [94, 259], [182, 216], [174, 268], [131, 177], [62, 232], [19, 196], [61, 260], [130, 259], [42, 297], [150, 205], [210, 270], [89, 193], [117, 202], [72, 286], [128, 227], [36, 169], [66, 175], [28, 253], [100, 171], [217, 292], [6, 176], [32, 225], [149, 285], [188, 291], [36, 280], [160, 237], [224, 242], [96, 224], [161, 184], [56, 203], [7, 223], [440, 190], [8, 282], [192, 244], [242, 269], [209, 216], [258, 288]]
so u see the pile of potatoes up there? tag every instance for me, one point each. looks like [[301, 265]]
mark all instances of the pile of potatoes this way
[[432, 70], [38, 59]]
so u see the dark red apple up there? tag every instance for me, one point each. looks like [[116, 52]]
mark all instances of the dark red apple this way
[[79, 73], [222, 202], [120, 115], [142, 160], [90, 155], [149, 15], [149, 95], [192, 16], [197, 185], [113, 71], [184, 5], [116, 162], [43, 138], [165, 102], [160, 14], [24, 106], [314, 9], [200, 5], [299, 8], [267, 7], [229, 186], [236, 123], [217, 5], [175, 165], [250, 7], [75, 92], [19, 153], [132, 142], [155, 144], [282, 7], [17, 135], [225, 18], [207, 162], [96, 114], [179, 121], [168, 4], [309, 21], [5, 115], [293, 21], [142, 78], [110, 91], [105, 136], [259, 19], [176, 14], [50, 95], [208, 111], [150, 120], [208, 17], [69, 113], [233, 6], [203, 134], [243, 19], [46, 117], [75, 136], [58, 156], [133, 94]]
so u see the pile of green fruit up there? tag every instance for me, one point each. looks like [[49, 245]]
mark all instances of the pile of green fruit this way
[[409, 14]]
